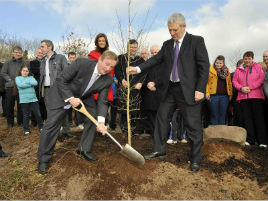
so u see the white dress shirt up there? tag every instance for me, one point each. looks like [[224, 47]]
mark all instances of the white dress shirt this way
[[47, 78]]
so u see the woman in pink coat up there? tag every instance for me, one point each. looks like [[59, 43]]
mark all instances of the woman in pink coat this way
[[248, 79]]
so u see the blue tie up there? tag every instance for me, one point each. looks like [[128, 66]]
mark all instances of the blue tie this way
[[175, 74]]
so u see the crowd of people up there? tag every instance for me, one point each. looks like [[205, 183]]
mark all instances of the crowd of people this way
[[174, 94]]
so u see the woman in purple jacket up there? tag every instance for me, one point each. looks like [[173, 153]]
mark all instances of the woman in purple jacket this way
[[248, 79]]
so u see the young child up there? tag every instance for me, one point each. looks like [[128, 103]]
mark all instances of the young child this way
[[28, 99]]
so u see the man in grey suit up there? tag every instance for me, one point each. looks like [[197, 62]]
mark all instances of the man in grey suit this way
[[80, 80], [51, 66], [186, 71]]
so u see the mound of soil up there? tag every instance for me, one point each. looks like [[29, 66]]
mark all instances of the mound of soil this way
[[228, 171]]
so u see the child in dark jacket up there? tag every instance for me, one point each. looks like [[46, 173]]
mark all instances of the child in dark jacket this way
[[28, 99]]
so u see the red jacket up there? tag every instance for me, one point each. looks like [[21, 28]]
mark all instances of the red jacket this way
[[95, 56]]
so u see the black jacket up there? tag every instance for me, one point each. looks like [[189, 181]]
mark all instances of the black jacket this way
[[193, 65], [2, 80], [35, 70], [120, 69], [151, 99]]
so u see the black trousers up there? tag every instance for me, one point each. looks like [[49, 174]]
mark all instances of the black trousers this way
[[192, 121], [27, 108], [113, 113], [3, 95], [148, 121], [135, 113], [238, 115], [136, 122], [1, 151], [9, 104], [254, 121], [177, 126], [205, 114]]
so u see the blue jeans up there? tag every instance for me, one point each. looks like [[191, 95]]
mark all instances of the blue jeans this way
[[27, 108], [218, 105]]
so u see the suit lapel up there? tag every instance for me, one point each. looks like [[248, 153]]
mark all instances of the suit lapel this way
[[184, 44], [171, 48], [90, 73]]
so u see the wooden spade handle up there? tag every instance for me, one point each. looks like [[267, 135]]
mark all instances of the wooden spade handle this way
[[83, 110]]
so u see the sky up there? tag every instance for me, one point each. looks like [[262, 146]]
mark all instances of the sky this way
[[229, 27]]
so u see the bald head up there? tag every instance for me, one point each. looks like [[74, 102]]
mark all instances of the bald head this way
[[154, 49]]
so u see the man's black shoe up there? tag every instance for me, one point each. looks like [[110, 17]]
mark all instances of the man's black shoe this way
[[67, 135], [42, 167], [195, 167], [3, 154], [87, 155], [155, 155]]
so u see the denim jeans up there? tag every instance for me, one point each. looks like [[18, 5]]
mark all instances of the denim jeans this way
[[27, 108], [218, 105]]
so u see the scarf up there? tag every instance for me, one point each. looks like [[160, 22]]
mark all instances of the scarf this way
[[222, 72]]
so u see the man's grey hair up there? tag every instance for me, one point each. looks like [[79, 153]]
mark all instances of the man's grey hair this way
[[155, 46], [176, 18]]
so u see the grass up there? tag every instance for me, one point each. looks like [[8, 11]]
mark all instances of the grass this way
[[20, 183]]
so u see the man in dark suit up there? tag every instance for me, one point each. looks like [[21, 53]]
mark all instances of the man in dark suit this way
[[186, 66], [35, 70], [151, 95], [81, 79], [135, 87]]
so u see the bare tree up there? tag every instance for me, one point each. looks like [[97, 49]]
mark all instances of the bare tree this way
[[9, 40], [235, 56], [71, 42], [121, 43]]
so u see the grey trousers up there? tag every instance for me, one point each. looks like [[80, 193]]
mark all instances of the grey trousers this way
[[65, 122], [51, 130]]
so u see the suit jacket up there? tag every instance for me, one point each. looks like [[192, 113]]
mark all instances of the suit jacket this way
[[151, 99], [35, 70], [57, 63], [120, 69], [193, 65], [73, 81]]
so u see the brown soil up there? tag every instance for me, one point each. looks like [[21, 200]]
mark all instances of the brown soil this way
[[228, 171]]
